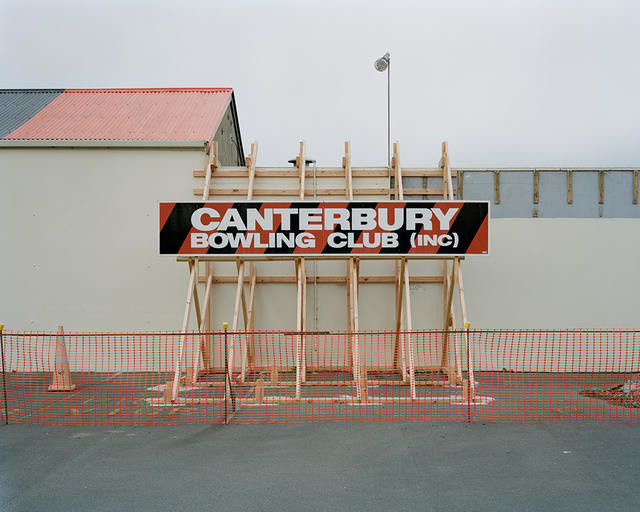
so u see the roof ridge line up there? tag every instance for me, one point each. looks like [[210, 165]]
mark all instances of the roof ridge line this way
[[152, 89]]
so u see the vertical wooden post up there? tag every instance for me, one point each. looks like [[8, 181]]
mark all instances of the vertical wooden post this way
[[185, 325], [348, 176], [601, 187], [259, 392], [634, 200], [445, 314], [350, 322], [463, 306], [456, 272], [471, 393], [247, 310], [356, 325], [447, 169], [467, 395], [399, 337], [364, 392], [299, 275], [236, 314], [249, 336], [536, 187], [398, 308], [252, 324], [449, 321], [251, 168], [496, 187], [205, 348], [303, 321], [167, 392], [301, 169], [463, 311], [449, 306], [298, 328], [211, 162], [350, 311], [397, 171], [211, 165], [196, 299], [570, 187], [352, 279], [198, 351], [243, 301], [409, 340], [401, 270]]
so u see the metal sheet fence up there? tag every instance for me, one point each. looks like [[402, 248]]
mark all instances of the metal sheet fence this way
[[282, 377]]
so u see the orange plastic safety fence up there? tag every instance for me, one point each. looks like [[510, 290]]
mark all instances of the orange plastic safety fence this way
[[283, 377]]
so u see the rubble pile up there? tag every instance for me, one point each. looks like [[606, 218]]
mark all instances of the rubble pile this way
[[626, 394]]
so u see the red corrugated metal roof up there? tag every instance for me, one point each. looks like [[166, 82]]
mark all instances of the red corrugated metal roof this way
[[129, 114]]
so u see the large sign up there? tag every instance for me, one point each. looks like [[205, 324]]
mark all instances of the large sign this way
[[308, 228]]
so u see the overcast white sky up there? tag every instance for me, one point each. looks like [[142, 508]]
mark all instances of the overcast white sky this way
[[522, 83]]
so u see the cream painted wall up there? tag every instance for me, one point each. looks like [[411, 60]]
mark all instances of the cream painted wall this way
[[542, 273], [79, 248], [557, 273], [79, 238]]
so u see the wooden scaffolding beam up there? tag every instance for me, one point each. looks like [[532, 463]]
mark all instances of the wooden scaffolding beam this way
[[211, 162], [404, 359], [352, 284]]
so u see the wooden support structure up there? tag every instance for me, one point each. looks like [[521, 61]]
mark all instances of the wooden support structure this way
[[450, 282], [299, 328], [358, 181], [342, 279], [352, 280], [288, 192], [248, 309], [185, 324], [364, 392], [236, 314], [401, 269], [301, 285], [321, 172], [201, 352], [259, 392]]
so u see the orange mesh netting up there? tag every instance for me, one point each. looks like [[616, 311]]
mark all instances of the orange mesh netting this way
[[488, 376]]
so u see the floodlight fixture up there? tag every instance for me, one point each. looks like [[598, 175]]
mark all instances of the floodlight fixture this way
[[382, 63]]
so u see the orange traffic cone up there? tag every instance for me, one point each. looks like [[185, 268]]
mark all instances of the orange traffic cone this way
[[61, 375]]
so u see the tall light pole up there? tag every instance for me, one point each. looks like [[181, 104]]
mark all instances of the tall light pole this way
[[384, 64]]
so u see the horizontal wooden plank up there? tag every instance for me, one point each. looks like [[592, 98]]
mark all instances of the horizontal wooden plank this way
[[292, 192], [311, 257], [335, 172], [309, 193], [322, 279], [425, 191]]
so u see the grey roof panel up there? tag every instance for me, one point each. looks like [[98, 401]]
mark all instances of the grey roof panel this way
[[17, 106]]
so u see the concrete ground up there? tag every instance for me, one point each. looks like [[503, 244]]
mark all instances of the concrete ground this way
[[136, 398], [332, 466]]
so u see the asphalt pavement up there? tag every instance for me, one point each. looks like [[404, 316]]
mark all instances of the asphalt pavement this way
[[322, 466]]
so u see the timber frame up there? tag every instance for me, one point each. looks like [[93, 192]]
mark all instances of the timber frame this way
[[201, 275]]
